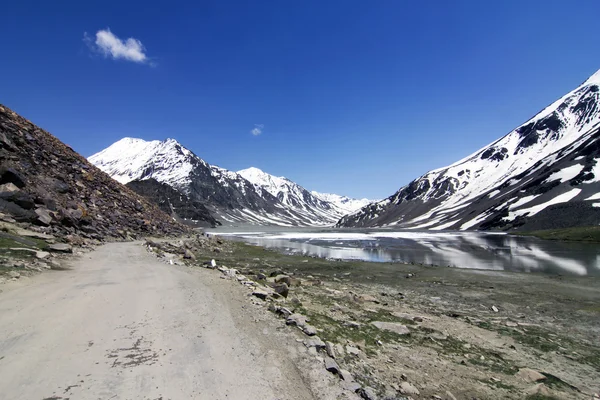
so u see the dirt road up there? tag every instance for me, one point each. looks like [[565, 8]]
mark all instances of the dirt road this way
[[122, 325]]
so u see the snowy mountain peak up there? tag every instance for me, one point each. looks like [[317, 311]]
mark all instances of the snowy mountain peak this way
[[327, 206], [261, 178], [594, 79], [348, 204], [130, 159]]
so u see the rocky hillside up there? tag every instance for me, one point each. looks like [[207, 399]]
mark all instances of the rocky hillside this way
[[45, 183], [174, 203], [551, 159]]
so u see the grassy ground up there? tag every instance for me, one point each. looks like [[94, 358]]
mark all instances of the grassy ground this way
[[544, 322]]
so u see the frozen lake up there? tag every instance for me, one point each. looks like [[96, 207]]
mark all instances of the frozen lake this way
[[487, 251]]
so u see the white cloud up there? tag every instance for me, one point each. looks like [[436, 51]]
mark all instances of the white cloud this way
[[258, 128], [108, 44]]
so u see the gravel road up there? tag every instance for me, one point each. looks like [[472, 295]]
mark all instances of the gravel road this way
[[120, 324]]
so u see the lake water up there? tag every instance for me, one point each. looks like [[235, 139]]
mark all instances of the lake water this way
[[488, 251]]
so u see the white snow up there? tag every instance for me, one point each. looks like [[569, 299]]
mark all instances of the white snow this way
[[523, 200], [595, 171], [594, 197], [473, 222], [561, 198], [565, 174]]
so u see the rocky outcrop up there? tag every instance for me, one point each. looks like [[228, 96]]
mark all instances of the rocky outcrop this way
[[44, 182], [174, 203]]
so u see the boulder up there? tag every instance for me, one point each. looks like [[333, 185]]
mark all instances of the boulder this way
[[9, 188], [281, 289], [9, 175], [283, 279]]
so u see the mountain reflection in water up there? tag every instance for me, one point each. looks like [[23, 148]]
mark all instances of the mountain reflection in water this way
[[488, 251]]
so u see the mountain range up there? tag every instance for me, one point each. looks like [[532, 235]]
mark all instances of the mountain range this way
[[543, 174], [246, 196]]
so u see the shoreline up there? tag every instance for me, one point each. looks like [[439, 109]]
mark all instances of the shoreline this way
[[463, 331]]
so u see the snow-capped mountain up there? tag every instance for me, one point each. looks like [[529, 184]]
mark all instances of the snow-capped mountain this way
[[519, 179], [228, 195], [346, 204], [296, 197]]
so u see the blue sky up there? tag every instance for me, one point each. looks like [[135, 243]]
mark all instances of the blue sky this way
[[350, 97]]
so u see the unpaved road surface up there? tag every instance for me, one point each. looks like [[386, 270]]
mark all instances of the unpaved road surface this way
[[122, 325]]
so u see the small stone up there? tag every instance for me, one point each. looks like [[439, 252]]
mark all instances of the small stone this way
[[296, 319], [43, 216], [353, 351], [495, 309], [315, 342], [189, 255], [511, 324], [368, 298], [530, 375], [352, 324], [40, 255], [392, 327], [407, 388], [404, 377], [61, 247], [351, 386], [14, 274], [450, 396], [260, 294], [330, 349], [346, 375], [367, 393], [309, 330], [331, 365], [213, 263], [284, 312], [539, 389]]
